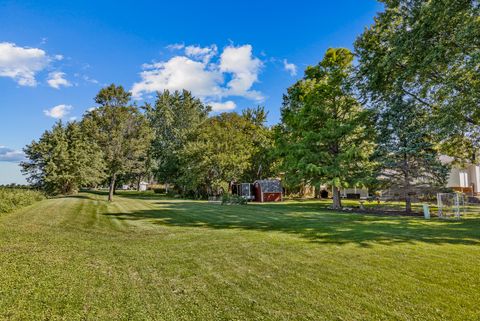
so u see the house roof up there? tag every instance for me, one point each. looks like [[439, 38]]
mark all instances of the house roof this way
[[270, 185]]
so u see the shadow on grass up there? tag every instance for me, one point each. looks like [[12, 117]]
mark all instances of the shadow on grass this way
[[311, 222]]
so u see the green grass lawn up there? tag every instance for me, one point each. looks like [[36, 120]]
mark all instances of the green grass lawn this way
[[144, 257]]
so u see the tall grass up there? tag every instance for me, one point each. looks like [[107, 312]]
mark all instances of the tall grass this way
[[14, 198]]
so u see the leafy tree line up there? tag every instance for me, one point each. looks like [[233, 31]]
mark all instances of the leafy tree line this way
[[174, 140]]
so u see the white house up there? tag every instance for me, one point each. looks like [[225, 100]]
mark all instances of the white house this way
[[465, 179]]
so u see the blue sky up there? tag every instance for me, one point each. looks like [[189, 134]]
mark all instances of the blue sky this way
[[56, 55]]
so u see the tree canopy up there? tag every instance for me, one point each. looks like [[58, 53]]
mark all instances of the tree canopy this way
[[326, 135]]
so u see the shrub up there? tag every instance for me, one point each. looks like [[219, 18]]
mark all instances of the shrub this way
[[159, 190], [14, 198], [228, 199]]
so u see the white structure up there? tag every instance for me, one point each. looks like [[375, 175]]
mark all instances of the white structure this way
[[143, 186], [464, 179], [362, 192]]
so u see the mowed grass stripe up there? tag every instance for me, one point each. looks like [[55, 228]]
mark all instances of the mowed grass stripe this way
[[149, 258]]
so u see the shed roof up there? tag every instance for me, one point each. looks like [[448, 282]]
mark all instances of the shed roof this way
[[270, 185]]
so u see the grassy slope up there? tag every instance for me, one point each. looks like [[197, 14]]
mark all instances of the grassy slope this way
[[139, 258]]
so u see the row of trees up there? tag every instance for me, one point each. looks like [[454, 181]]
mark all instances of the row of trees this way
[[412, 95], [173, 140]]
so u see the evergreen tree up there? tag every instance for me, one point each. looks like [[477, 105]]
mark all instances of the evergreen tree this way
[[326, 135], [63, 160]]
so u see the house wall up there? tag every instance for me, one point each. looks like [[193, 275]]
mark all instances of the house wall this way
[[468, 177], [362, 191]]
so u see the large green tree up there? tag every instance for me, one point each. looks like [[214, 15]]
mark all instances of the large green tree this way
[[428, 51], [408, 156], [63, 160], [325, 134], [227, 147], [121, 131], [174, 118]]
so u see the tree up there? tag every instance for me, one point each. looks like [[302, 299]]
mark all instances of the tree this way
[[408, 157], [262, 158], [428, 51], [63, 160], [120, 130], [174, 118], [227, 147], [325, 134]]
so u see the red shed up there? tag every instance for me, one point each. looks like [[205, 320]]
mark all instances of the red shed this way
[[268, 190]]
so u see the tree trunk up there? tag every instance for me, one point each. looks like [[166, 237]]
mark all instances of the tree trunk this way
[[337, 203], [111, 190], [139, 180], [408, 203]]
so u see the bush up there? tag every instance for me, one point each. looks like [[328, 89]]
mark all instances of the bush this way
[[15, 198], [159, 190], [228, 199]]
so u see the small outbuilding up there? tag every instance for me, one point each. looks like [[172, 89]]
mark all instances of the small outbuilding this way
[[268, 190], [143, 186]]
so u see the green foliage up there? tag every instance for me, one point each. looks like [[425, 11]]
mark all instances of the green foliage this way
[[406, 152], [228, 199], [63, 160], [15, 198], [174, 119], [121, 131], [428, 51], [326, 136], [227, 147]]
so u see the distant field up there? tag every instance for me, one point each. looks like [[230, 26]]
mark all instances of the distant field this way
[[15, 198], [145, 257]]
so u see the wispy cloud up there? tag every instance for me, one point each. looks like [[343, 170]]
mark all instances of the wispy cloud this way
[[291, 68], [11, 155], [58, 112], [56, 80]]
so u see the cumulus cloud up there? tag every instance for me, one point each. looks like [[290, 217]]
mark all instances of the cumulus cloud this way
[[11, 155], [179, 73], [205, 73], [225, 106], [56, 80], [291, 68], [58, 111], [239, 61], [22, 63]]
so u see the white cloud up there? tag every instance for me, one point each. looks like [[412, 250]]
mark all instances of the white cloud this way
[[11, 155], [58, 57], [56, 80], [291, 68], [205, 54], [21, 63], [179, 73], [204, 73], [176, 46], [228, 105], [245, 68], [58, 111]]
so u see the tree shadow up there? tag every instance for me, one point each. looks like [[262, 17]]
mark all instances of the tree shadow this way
[[310, 222]]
